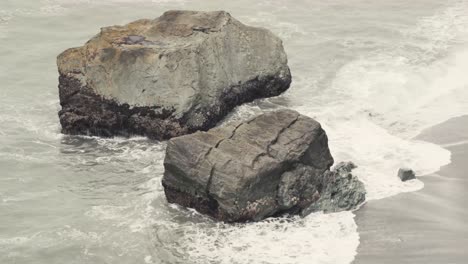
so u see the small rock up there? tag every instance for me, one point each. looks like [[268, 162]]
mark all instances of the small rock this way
[[406, 174]]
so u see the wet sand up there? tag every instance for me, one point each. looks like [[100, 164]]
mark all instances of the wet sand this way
[[427, 226]]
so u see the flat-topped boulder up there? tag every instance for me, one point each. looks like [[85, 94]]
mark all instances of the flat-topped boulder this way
[[276, 163], [167, 77]]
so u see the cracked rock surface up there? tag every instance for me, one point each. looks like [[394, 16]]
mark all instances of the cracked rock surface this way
[[167, 77], [275, 163]]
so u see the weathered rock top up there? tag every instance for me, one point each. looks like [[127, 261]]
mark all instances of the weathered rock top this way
[[188, 66], [145, 44]]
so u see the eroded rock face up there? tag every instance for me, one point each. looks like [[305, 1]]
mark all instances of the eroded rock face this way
[[275, 163], [344, 191], [174, 75]]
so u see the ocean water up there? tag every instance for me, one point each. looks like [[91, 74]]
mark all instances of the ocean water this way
[[374, 73]]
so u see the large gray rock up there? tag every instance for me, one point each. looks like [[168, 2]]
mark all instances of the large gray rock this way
[[174, 75], [275, 163]]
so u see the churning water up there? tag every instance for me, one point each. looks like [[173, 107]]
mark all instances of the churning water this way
[[374, 73]]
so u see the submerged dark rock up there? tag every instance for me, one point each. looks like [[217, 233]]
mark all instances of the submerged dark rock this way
[[273, 164], [406, 174], [167, 77]]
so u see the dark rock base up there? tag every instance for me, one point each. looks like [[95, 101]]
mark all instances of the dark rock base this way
[[202, 204], [86, 113], [209, 206]]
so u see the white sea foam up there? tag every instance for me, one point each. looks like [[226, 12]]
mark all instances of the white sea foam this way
[[313, 239], [285, 30], [440, 31]]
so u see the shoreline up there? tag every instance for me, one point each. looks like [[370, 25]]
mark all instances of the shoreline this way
[[427, 226]]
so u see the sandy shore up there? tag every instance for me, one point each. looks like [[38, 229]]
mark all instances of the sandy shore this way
[[428, 226]]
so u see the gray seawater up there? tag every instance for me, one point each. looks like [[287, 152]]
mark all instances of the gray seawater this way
[[375, 73]]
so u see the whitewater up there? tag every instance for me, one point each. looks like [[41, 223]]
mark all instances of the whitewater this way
[[374, 73]]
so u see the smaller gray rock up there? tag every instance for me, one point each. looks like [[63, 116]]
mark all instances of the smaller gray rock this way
[[277, 163], [406, 174]]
